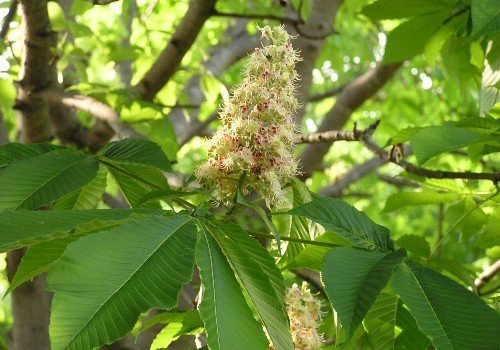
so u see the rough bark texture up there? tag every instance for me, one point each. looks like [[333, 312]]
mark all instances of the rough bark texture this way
[[352, 96], [169, 59], [30, 302]]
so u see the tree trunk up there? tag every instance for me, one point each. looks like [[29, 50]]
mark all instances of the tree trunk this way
[[30, 301]]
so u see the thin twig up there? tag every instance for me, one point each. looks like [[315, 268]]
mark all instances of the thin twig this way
[[485, 276], [258, 16], [101, 2], [8, 18], [364, 136]]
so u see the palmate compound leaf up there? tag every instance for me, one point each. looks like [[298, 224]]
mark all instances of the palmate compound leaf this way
[[229, 322], [446, 312], [354, 278], [35, 181], [258, 276], [104, 281], [345, 220], [20, 228]]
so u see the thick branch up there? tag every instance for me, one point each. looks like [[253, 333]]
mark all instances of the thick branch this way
[[364, 136], [92, 106], [352, 97], [169, 59]]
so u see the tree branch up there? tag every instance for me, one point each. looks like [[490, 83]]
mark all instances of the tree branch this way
[[169, 59], [364, 136], [485, 276], [101, 2], [92, 106], [8, 18], [353, 95]]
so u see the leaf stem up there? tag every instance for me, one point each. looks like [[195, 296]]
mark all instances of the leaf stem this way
[[293, 239]]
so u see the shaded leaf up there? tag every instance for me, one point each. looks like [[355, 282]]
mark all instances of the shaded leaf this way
[[20, 228], [390, 9], [485, 17], [401, 199], [354, 278], [430, 141], [35, 181], [450, 315], [409, 38]]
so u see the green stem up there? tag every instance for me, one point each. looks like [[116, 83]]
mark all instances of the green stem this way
[[293, 239]]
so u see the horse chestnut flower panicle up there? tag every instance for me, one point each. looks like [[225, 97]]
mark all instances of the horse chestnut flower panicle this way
[[257, 134]]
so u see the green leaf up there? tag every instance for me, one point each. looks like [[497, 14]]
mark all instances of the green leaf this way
[[262, 213], [433, 140], [345, 220], [354, 278], [297, 226], [137, 181], [485, 17], [137, 151], [40, 257], [35, 181], [490, 237], [415, 244], [402, 199], [168, 317], [258, 275], [313, 255], [86, 197], [228, 319], [391, 326], [182, 323], [134, 267], [13, 151], [490, 89], [467, 217], [391, 9], [450, 315], [161, 132], [164, 195], [20, 228], [409, 38]]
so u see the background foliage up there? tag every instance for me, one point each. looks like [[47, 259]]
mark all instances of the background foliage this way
[[428, 70]]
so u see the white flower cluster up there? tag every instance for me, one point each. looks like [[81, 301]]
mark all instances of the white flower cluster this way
[[257, 136], [304, 311]]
